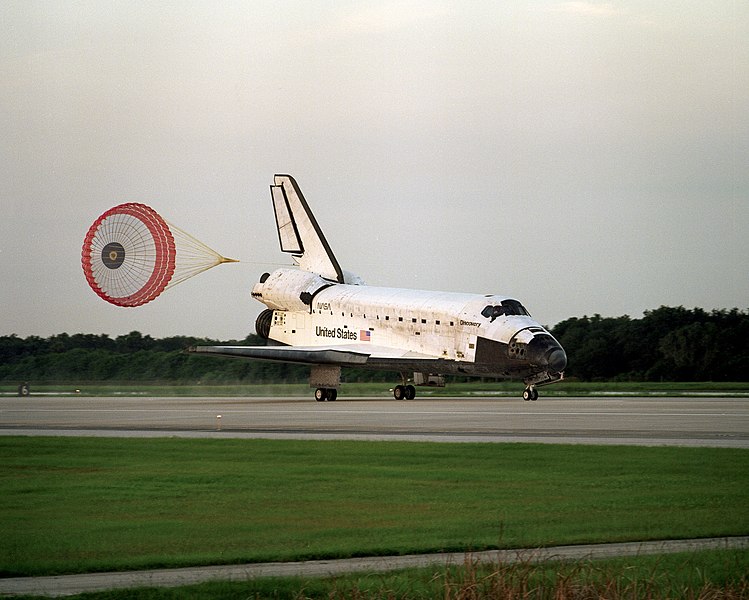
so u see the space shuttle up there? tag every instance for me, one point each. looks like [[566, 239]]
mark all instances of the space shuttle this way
[[320, 315]]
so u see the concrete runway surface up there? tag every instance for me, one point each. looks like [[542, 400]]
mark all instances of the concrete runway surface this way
[[718, 422], [66, 585]]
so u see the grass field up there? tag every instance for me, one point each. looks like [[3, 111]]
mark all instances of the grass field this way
[[474, 388], [91, 504]]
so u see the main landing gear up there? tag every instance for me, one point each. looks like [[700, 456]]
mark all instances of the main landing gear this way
[[530, 393], [325, 379], [326, 394], [404, 392]]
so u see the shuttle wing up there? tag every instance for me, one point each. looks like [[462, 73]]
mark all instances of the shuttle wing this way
[[348, 355], [298, 231]]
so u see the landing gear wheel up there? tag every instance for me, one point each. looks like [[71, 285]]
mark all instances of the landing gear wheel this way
[[534, 394], [399, 392], [410, 392], [326, 394], [530, 393]]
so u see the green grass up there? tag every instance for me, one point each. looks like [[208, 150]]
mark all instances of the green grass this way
[[474, 388], [88, 504]]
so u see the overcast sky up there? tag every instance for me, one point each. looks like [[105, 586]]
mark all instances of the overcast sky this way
[[584, 157]]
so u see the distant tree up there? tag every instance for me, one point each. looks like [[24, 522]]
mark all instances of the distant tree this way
[[133, 342], [692, 352]]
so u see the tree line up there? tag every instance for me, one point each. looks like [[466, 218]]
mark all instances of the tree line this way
[[666, 344]]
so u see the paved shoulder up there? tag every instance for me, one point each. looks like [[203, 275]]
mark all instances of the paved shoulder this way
[[66, 585]]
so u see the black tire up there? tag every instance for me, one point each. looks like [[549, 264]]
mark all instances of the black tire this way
[[263, 323], [527, 394], [410, 392], [321, 394], [332, 394], [399, 392]]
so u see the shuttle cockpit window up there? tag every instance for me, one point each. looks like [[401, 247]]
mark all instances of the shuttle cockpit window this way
[[505, 308]]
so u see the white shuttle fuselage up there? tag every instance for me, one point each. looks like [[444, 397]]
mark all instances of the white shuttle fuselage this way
[[323, 316]]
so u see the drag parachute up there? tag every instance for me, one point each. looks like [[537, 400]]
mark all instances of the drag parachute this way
[[131, 254]]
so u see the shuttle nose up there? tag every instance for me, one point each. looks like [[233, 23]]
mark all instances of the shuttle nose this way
[[546, 352], [557, 359]]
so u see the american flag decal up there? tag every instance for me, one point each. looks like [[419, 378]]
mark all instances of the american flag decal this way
[[365, 335]]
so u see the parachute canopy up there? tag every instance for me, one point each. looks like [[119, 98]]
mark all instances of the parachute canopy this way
[[131, 254]]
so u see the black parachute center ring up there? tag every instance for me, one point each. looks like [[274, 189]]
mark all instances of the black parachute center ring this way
[[113, 255]]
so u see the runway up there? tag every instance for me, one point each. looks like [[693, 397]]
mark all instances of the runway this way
[[717, 422]]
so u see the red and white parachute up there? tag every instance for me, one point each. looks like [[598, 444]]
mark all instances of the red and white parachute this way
[[130, 255]]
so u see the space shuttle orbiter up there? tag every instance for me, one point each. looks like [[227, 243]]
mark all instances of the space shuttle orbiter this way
[[320, 315]]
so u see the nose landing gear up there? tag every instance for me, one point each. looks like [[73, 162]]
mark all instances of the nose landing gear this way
[[535, 381]]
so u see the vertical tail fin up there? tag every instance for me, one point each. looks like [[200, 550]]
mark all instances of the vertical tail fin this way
[[298, 231]]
